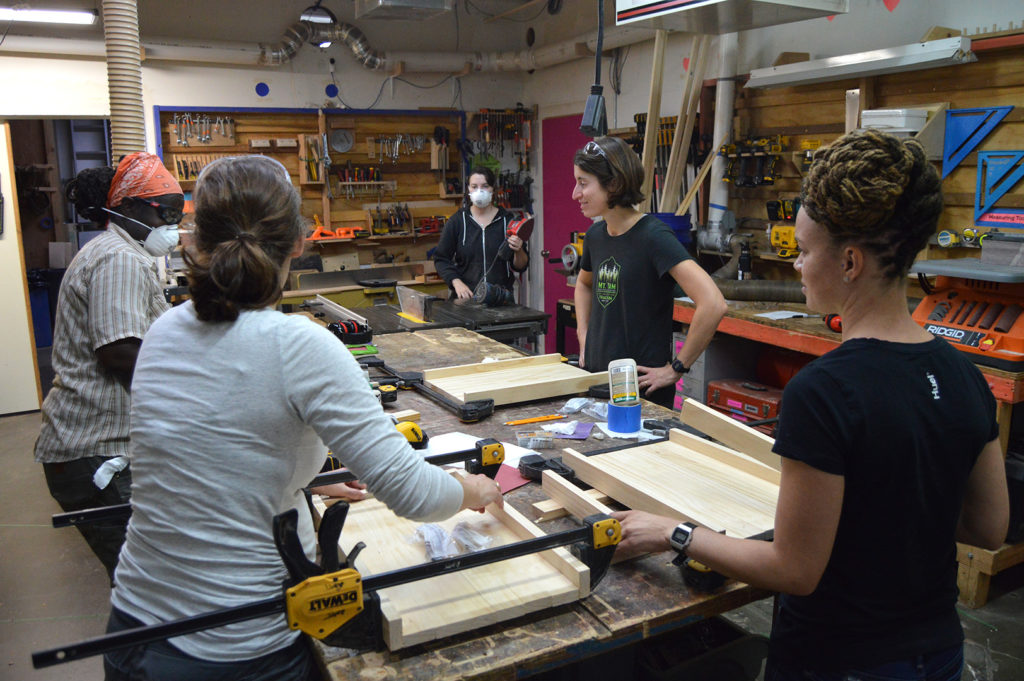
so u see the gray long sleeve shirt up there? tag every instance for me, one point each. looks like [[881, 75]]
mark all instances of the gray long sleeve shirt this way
[[229, 422]]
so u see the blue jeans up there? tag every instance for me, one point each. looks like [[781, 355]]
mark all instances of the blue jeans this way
[[945, 665], [160, 661]]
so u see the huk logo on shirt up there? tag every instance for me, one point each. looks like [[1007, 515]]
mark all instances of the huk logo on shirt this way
[[935, 385], [607, 286]]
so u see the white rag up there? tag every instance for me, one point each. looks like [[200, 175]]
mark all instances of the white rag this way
[[101, 478]]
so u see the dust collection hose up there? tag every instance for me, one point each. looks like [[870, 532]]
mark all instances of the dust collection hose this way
[[761, 289], [124, 77]]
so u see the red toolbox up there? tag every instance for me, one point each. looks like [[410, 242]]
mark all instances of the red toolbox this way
[[746, 401]]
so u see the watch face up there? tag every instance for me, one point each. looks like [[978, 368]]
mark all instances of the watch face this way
[[680, 537]]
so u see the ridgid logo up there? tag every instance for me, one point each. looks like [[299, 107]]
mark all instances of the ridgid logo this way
[[607, 286]]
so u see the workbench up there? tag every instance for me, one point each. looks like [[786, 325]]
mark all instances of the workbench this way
[[637, 599], [506, 323], [809, 335]]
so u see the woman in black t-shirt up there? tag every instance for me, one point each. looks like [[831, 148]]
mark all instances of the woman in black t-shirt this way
[[889, 446]]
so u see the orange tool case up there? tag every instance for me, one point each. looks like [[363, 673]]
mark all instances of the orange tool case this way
[[746, 401], [976, 307]]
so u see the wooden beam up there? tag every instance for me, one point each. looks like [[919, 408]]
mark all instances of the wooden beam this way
[[653, 113], [575, 500], [730, 432], [684, 205], [549, 509], [684, 123], [738, 460]]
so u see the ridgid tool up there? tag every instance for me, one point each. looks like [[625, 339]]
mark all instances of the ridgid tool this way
[[332, 601]]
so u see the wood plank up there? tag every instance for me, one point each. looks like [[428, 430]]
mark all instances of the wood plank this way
[[726, 455], [573, 499], [511, 381], [561, 559], [653, 113], [730, 432], [454, 603], [406, 415], [487, 367], [670, 480], [549, 509]]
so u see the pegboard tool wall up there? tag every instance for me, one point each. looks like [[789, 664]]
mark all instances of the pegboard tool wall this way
[[412, 175]]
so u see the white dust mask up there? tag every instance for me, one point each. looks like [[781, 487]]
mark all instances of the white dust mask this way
[[481, 198], [160, 241]]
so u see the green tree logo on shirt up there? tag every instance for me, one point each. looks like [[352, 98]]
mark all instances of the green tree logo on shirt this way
[[607, 286]]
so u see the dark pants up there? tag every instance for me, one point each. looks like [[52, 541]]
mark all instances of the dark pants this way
[[71, 485], [945, 665], [161, 661]]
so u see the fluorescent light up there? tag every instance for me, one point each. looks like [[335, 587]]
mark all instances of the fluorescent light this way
[[324, 44], [913, 57], [48, 16]]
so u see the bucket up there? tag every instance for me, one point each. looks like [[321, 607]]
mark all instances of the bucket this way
[[623, 419], [679, 224]]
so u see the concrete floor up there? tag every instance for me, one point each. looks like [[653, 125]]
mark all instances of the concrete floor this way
[[53, 590]]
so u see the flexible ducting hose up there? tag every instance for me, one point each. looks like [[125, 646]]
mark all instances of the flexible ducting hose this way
[[304, 31], [124, 77], [773, 290]]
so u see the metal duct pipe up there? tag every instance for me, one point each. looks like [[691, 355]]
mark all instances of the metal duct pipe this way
[[444, 62], [124, 77], [715, 236], [761, 289]]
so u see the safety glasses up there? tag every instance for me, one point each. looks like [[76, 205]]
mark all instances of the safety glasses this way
[[170, 216]]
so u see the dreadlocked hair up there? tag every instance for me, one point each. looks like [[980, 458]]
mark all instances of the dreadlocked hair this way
[[877, 191], [248, 221], [88, 191]]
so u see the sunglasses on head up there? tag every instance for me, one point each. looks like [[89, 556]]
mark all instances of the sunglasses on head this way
[[170, 216], [594, 148]]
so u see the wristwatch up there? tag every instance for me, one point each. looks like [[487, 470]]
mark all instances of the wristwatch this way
[[678, 366], [681, 537]]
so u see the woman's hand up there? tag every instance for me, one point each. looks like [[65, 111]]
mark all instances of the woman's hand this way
[[643, 532], [652, 378], [462, 291], [350, 491], [478, 491], [515, 243]]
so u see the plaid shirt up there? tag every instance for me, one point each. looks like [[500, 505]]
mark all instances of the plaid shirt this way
[[110, 292]]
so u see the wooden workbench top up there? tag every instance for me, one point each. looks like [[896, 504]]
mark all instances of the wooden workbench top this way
[[636, 599]]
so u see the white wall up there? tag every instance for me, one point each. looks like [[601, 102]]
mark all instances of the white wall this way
[[19, 382]]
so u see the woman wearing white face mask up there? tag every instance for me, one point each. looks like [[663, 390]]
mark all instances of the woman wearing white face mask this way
[[468, 250], [108, 298]]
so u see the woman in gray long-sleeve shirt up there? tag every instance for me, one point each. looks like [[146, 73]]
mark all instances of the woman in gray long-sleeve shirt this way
[[230, 420]]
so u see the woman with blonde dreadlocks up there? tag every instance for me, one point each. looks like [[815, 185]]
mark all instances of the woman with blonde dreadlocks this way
[[888, 445]]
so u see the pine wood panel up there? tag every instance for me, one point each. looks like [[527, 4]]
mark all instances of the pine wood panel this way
[[513, 380], [672, 480], [463, 601]]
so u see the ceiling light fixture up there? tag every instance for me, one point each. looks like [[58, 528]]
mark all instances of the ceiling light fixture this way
[[48, 16], [944, 52], [315, 14]]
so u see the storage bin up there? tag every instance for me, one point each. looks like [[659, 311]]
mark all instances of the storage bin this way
[[891, 120]]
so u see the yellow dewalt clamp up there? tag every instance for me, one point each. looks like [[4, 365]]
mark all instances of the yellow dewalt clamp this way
[[333, 601]]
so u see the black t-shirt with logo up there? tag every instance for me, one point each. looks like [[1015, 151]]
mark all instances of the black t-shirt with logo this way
[[631, 309], [903, 423]]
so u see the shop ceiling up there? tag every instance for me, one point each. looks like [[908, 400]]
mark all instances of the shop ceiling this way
[[264, 21]]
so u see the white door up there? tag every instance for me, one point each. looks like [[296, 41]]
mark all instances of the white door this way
[[19, 372]]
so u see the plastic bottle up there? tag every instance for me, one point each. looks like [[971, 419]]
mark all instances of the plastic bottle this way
[[623, 388]]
